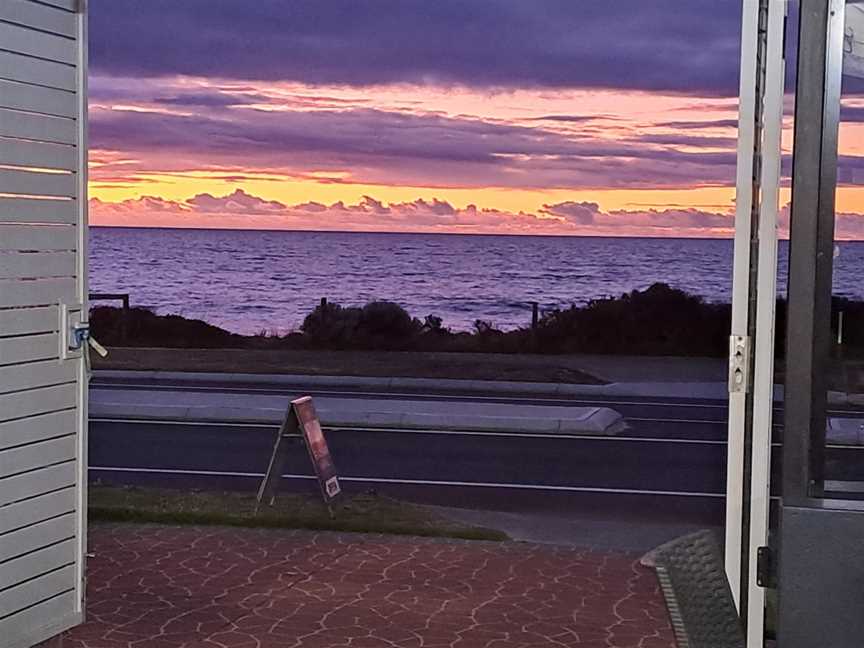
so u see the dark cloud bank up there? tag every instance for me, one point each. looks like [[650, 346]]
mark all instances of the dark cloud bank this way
[[688, 46]]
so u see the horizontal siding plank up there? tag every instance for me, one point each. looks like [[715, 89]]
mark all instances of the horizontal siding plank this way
[[30, 14], [34, 210], [27, 69], [37, 292], [29, 348], [38, 428], [35, 375], [24, 321], [37, 509], [38, 99], [38, 127], [37, 536], [33, 183], [41, 155], [38, 401], [23, 40], [43, 620], [42, 561], [37, 238], [18, 598], [21, 487], [38, 455], [68, 5], [35, 265]]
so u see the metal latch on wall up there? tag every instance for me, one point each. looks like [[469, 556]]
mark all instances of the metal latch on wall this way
[[739, 364], [75, 334], [81, 336]]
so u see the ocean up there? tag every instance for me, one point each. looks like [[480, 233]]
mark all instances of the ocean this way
[[254, 281]]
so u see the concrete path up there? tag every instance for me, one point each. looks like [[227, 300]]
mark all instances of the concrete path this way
[[356, 412], [585, 531], [173, 587]]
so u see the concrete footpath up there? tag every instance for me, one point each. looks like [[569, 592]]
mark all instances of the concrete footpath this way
[[345, 411]]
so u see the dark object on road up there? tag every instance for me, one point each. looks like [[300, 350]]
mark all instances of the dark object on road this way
[[698, 597]]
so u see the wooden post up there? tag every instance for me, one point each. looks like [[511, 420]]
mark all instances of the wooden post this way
[[323, 309], [124, 313], [535, 314], [124, 318]]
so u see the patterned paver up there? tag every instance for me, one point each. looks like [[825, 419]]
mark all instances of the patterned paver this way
[[172, 587]]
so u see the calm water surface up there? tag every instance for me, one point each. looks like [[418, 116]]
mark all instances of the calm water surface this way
[[252, 281]]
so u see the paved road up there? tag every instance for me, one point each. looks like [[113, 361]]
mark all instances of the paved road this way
[[672, 459]]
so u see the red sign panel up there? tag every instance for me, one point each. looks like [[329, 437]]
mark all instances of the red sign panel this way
[[316, 444]]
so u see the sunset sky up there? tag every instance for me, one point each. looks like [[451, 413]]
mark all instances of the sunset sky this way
[[492, 116]]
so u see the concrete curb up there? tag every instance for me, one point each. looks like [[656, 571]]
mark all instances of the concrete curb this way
[[593, 420], [845, 431], [710, 390], [658, 389], [354, 382], [842, 398]]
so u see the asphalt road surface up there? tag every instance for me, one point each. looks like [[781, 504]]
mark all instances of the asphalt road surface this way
[[671, 462]]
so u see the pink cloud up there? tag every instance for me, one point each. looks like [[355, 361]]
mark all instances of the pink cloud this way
[[241, 210], [581, 213], [238, 202]]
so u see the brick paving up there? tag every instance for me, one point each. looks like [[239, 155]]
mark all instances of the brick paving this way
[[172, 587]]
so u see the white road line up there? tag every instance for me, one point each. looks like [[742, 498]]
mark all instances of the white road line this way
[[524, 435], [415, 482], [407, 395], [343, 428]]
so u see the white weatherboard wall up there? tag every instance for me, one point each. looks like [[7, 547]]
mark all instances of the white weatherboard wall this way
[[43, 160]]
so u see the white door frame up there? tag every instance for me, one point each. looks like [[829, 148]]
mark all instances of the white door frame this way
[[82, 267], [753, 304]]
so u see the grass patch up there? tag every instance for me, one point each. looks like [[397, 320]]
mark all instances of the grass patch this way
[[366, 513]]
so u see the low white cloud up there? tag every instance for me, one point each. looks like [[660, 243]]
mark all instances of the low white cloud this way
[[241, 210], [238, 202], [580, 213]]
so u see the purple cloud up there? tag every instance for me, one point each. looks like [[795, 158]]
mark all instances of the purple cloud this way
[[237, 202], [382, 147], [696, 125], [669, 45], [210, 99], [690, 140], [580, 213]]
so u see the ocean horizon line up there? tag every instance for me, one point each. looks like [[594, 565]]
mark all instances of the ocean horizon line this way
[[416, 233]]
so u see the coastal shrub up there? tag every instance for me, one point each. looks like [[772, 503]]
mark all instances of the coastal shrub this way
[[377, 325], [142, 327], [659, 320], [483, 327], [433, 323]]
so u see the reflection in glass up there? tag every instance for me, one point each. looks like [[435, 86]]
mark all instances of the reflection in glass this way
[[853, 40]]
